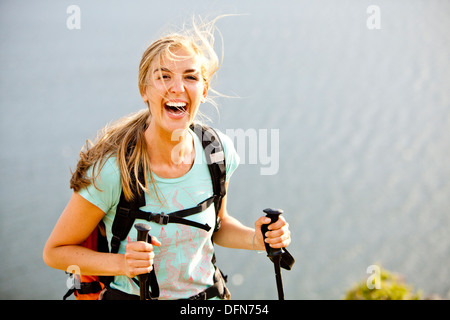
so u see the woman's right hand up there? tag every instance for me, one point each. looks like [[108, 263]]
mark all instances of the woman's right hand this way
[[139, 257]]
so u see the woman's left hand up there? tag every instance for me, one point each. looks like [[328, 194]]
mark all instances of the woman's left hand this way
[[278, 235]]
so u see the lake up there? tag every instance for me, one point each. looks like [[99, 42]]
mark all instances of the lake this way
[[351, 103]]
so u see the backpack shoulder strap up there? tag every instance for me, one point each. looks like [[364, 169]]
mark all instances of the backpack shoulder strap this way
[[215, 157], [123, 220]]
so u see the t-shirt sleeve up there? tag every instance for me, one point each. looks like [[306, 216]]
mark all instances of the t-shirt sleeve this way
[[231, 156], [105, 193]]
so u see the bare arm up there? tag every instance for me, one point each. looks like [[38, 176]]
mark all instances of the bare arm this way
[[233, 234], [76, 223]]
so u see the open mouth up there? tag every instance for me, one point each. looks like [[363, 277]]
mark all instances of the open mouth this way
[[176, 108]]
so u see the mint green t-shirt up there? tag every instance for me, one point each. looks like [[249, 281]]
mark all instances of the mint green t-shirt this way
[[183, 261]]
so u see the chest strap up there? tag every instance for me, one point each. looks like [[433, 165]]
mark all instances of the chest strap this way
[[126, 215]]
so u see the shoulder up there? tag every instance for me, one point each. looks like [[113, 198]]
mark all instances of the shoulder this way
[[105, 190], [204, 133], [230, 154], [227, 142], [202, 130], [109, 171]]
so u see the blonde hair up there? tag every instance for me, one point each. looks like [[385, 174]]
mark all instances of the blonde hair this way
[[125, 137]]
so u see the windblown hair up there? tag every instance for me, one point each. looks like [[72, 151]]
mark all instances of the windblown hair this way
[[116, 139], [198, 41], [125, 138]]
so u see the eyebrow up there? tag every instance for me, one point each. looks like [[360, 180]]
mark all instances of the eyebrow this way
[[162, 69]]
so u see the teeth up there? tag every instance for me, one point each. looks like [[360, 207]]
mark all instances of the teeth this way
[[176, 104]]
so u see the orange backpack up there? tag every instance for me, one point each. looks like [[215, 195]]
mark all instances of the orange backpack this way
[[90, 287]]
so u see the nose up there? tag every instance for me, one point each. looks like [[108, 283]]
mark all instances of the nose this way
[[177, 85]]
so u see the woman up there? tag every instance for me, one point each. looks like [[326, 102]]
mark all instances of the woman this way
[[174, 78]]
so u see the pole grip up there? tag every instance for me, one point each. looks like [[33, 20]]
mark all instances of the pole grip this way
[[142, 235], [142, 232], [273, 214]]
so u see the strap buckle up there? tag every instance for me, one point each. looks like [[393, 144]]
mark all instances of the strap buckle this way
[[200, 296], [161, 218]]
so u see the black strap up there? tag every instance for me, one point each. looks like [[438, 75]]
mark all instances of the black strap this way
[[215, 157], [287, 260], [125, 218], [202, 206], [152, 282], [68, 293], [281, 259], [218, 289], [123, 222], [85, 288]]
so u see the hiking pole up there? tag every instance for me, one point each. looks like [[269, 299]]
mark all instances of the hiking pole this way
[[273, 253], [142, 230]]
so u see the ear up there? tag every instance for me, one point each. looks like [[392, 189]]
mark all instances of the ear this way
[[144, 94], [205, 92]]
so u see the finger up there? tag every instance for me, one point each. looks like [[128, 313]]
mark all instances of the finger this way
[[140, 262], [137, 271], [139, 246], [262, 220], [278, 224], [279, 241], [278, 245], [278, 232], [131, 256], [155, 241], [274, 233]]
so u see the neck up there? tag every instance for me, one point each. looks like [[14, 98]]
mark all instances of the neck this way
[[169, 148]]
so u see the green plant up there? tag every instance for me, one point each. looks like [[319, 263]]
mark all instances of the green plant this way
[[392, 287]]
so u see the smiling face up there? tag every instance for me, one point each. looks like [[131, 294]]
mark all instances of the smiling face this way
[[175, 89]]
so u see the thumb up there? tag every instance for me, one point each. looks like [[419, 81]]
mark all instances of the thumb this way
[[155, 241], [262, 220]]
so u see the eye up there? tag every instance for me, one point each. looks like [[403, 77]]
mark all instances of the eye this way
[[192, 77], [163, 77]]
